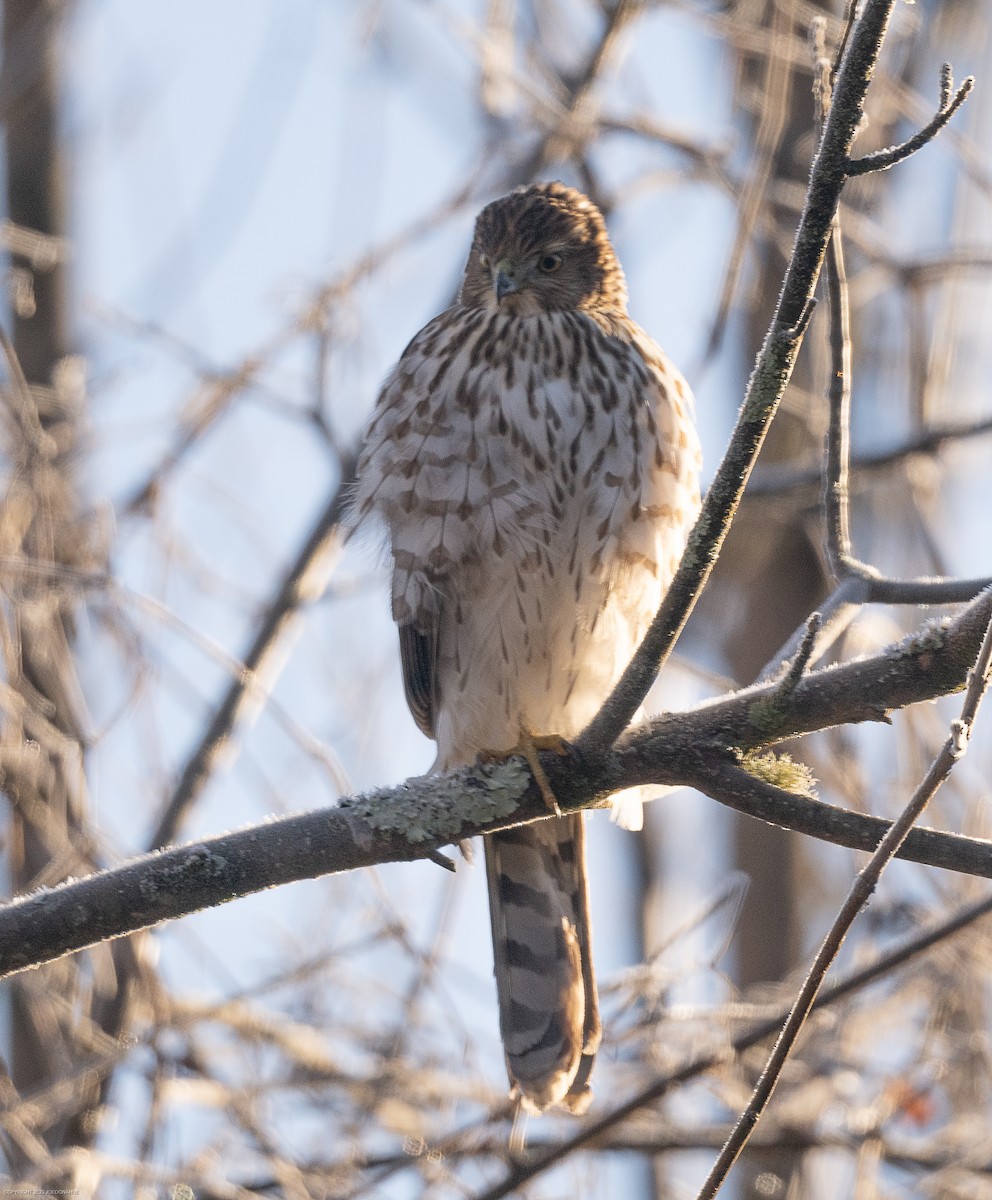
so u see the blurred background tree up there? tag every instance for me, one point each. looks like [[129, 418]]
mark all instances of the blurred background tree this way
[[223, 224]]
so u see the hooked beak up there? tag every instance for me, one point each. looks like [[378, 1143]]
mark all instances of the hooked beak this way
[[505, 278]]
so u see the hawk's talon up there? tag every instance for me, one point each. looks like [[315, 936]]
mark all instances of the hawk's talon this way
[[551, 741], [527, 748]]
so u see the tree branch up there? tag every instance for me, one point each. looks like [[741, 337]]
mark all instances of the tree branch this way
[[857, 583], [882, 160], [303, 582], [860, 893], [414, 819], [738, 789], [592, 1131], [836, 496], [769, 379]]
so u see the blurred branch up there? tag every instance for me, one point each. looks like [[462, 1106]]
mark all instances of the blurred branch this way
[[412, 820], [773, 482], [753, 198], [53, 1018], [708, 1060], [564, 112], [303, 583], [99, 1168], [43, 251], [220, 389], [667, 1137], [213, 400], [710, 159], [860, 893]]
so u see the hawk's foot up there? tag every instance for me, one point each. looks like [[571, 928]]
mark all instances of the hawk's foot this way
[[528, 747]]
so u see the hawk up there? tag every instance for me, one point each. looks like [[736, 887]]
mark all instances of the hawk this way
[[533, 459]]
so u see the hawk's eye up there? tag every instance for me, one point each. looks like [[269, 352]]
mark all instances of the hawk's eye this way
[[549, 263]]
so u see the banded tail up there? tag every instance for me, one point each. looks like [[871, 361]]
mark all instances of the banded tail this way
[[542, 946]]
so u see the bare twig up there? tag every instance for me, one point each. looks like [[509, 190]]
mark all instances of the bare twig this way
[[592, 1131], [882, 160], [797, 667], [877, 589], [836, 498], [858, 583], [303, 583], [952, 750], [836, 613]]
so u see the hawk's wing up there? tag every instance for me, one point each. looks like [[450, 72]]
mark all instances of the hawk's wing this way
[[409, 426], [418, 654]]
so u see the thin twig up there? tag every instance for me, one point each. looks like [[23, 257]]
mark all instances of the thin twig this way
[[882, 160], [878, 589], [836, 614], [771, 375], [857, 582], [303, 583], [590, 1133], [836, 499], [864, 885]]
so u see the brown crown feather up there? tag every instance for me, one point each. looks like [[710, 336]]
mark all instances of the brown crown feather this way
[[549, 218]]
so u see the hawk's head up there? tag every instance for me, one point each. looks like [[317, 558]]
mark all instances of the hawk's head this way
[[542, 249]]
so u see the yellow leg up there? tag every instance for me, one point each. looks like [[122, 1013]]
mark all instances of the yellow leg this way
[[527, 747]]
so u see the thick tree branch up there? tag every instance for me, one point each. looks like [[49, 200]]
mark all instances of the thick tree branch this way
[[411, 821]]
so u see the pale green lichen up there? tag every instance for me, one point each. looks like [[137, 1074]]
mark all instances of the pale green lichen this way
[[437, 808], [781, 771], [768, 714], [176, 872], [929, 637]]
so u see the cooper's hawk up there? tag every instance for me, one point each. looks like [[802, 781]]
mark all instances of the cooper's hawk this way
[[533, 458]]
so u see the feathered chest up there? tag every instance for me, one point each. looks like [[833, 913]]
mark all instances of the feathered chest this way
[[498, 432]]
